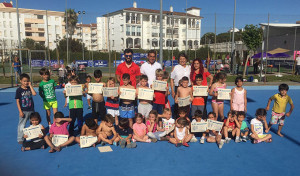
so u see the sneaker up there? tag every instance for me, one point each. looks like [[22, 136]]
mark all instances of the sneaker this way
[[122, 143], [227, 140], [237, 140], [148, 140], [131, 145], [178, 145], [186, 144], [244, 139], [102, 143], [133, 140], [154, 140], [115, 143], [89, 108], [256, 141], [194, 139], [202, 141], [221, 144]]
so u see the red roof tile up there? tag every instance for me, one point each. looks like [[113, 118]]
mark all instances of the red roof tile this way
[[6, 4]]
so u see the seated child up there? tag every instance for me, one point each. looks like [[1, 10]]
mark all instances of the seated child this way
[[257, 127], [244, 127], [153, 129], [36, 143], [184, 91], [106, 130], [214, 136], [181, 136], [124, 133], [88, 129], [167, 122], [140, 130], [59, 127], [231, 125], [182, 113], [198, 118]]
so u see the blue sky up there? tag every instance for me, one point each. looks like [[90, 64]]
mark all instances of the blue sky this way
[[248, 11]]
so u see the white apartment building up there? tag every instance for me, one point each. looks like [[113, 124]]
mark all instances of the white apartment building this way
[[139, 28], [89, 36]]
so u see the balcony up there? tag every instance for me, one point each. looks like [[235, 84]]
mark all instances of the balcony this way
[[36, 38], [32, 20], [31, 29]]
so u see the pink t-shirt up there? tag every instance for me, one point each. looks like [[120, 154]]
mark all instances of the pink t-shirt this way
[[63, 129], [154, 127], [139, 128]]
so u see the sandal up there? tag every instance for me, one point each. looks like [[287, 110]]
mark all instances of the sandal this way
[[269, 140], [256, 141]]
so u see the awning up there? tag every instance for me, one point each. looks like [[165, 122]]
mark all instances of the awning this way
[[279, 50]]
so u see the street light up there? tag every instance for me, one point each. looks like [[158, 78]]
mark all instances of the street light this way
[[57, 53], [83, 12]]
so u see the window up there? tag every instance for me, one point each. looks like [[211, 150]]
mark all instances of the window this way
[[9, 15], [113, 43], [133, 30], [112, 31], [11, 34], [138, 31], [127, 30], [5, 34], [41, 34], [56, 18], [40, 16], [121, 26], [112, 20]]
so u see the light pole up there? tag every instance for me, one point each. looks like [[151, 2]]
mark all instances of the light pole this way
[[232, 64], [19, 33], [57, 52], [83, 12], [186, 28], [161, 33], [67, 34]]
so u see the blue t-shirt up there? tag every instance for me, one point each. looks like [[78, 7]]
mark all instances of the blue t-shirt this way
[[25, 99]]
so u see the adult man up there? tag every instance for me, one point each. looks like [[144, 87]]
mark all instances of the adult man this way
[[149, 67], [74, 66], [128, 67], [298, 64]]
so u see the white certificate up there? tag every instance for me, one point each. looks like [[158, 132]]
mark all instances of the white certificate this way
[[110, 91], [73, 90], [199, 127], [224, 94], [214, 125], [146, 94], [127, 94], [159, 85], [95, 88], [32, 132], [87, 141], [171, 129], [200, 91], [59, 139], [184, 101]]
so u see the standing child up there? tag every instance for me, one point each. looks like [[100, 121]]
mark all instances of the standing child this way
[[67, 98], [214, 136], [198, 118], [198, 101], [24, 103], [88, 129], [232, 126], [98, 103], [160, 96], [244, 127], [59, 127], [238, 101], [127, 106], [218, 105], [153, 129], [278, 111], [166, 78], [124, 133], [36, 143], [112, 103], [47, 92], [106, 130], [88, 97], [145, 106], [140, 130], [184, 91], [181, 136], [257, 127]]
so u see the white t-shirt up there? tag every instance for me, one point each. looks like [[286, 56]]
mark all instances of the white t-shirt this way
[[257, 126], [298, 60], [179, 72], [149, 70], [167, 124], [194, 120], [65, 89]]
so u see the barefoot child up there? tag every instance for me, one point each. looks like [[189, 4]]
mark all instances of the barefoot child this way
[[160, 96], [181, 136], [124, 133], [25, 103], [112, 103], [36, 143], [88, 129], [145, 106], [232, 126], [88, 97], [184, 91], [98, 103], [244, 127], [47, 92], [106, 130], [278, 111], [257, 127], [59, 127], [140, 130], [238, 101], [214, 136]]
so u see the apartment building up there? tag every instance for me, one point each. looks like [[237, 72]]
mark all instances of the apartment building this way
[[88, 34]]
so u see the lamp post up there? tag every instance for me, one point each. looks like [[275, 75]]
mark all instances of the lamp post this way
[[161, 33], [83, 12], [233, 62], [57, 52]]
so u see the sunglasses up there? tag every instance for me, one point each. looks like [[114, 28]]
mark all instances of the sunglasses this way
[[130, 56]]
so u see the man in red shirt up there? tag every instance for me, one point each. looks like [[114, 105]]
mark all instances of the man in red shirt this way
[[128, 67]]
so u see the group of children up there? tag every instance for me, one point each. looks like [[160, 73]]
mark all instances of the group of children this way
[[121, 125]]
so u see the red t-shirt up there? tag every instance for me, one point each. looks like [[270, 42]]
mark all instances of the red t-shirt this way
[[204, 82], [133, 71], [160, 97], [231, 125]]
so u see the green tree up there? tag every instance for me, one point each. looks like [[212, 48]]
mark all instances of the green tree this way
[[72, 21], [28, 43], [75, 45], [208, 38]]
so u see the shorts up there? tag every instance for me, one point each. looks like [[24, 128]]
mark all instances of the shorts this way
[[197, 107], [158, 107], [34, 144], [244, 130], [113, 112], [98, 110], [262, 135], [127, 111], [217, 101], [277, 118], [144, 109], [238, 107], [88, 97], [51, 104]]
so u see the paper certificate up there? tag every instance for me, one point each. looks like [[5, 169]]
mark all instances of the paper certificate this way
[[110, 91], [184, 101], [224, 94], [214, 125], [199, 127], [146, 94], [127, 94], [159, 85], [95, 88], [200, 91], [171, 129], [32, 132], [87, 141], [73, 90], [59, 139]]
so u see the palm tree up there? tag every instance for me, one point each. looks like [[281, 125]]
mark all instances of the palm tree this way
[[72, 21]]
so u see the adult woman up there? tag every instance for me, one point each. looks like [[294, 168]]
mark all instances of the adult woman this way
[[17, 68], [197, 68]]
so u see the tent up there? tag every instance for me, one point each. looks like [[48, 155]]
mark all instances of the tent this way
[[278, 50], [258, 55], [280, 55]]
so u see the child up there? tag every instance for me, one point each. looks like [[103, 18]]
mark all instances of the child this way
[[88, 129], [25, 103], [106, 130], [181, 136], [47, 92], [244, 128], [231, 125], [36, 143], [198, 118], [67, 98], [278, 111], [183, 114], [88, 97], [145, 106], [124, 133], [214, 136], [126, 106], [112, 103], [98, 103], [160, 96], [218, 105], [198, 101], [140, 130], [257, 127], [75, 107], [167, 122], [184, 91], [59, 127], [238, 101], [153, 129], [166, 78]]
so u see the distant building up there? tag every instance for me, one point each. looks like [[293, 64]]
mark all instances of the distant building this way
[[89, 36]]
